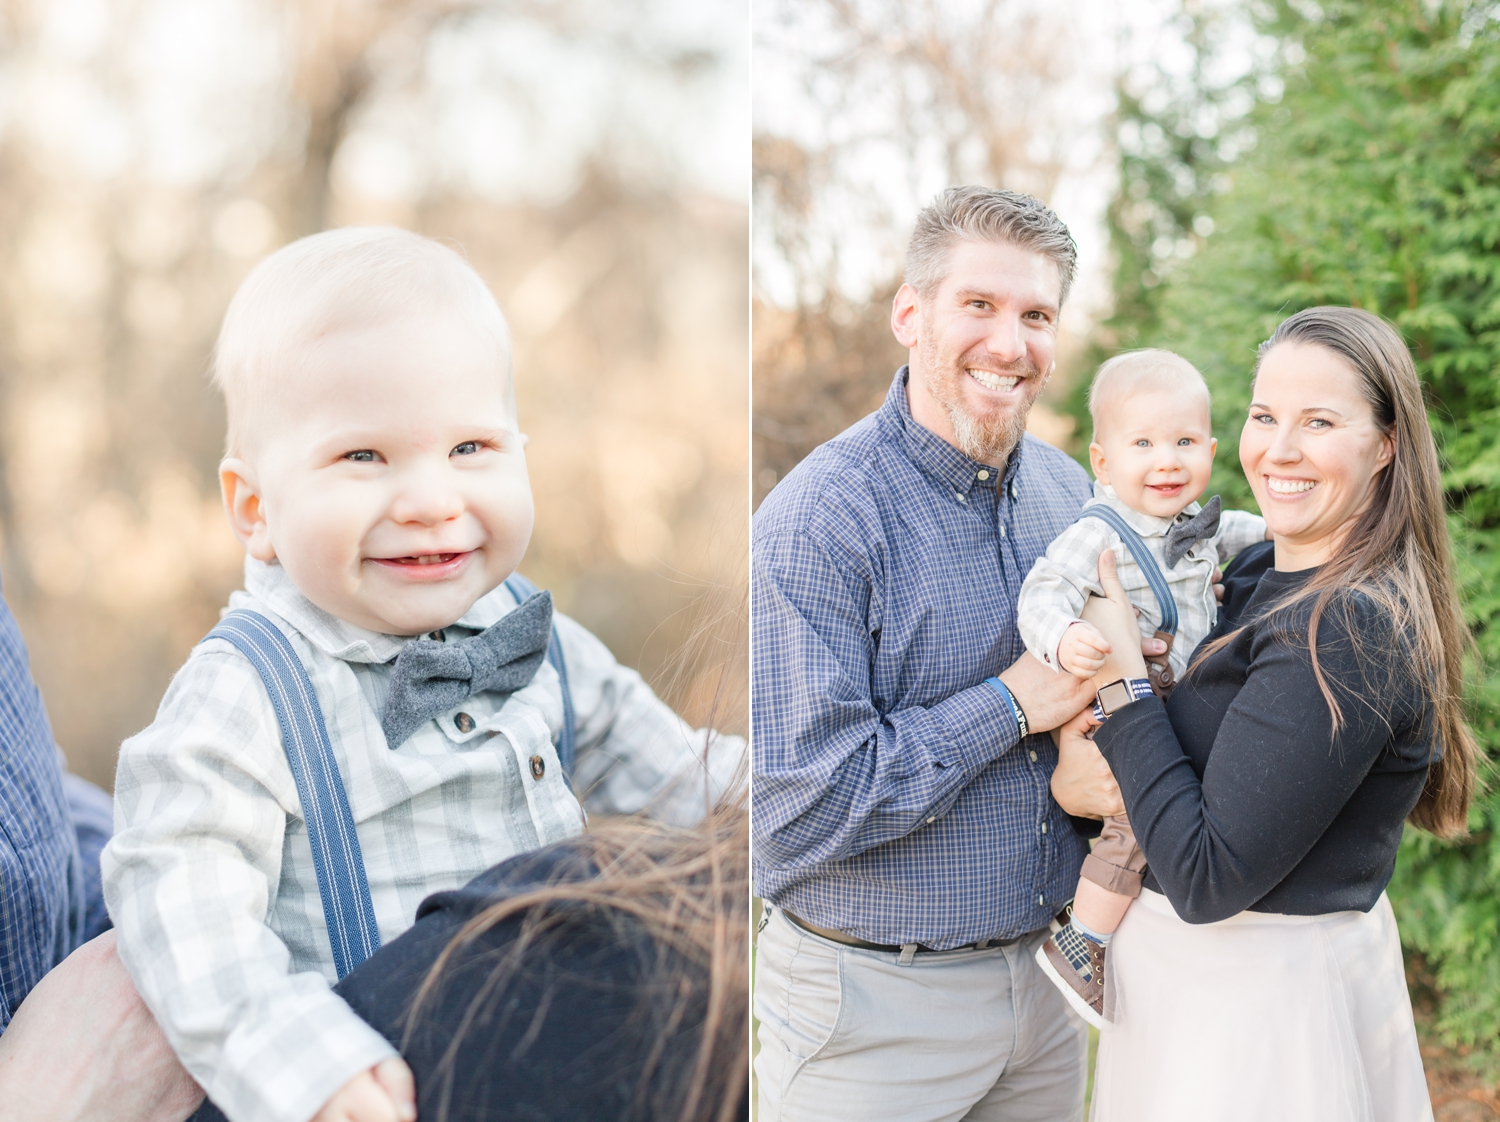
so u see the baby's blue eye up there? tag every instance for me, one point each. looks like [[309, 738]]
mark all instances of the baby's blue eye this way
[[363, 456], [467, 448], [1185, 441], [1143, 443]]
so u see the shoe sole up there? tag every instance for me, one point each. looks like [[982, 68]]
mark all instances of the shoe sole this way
[[1080, 1006]]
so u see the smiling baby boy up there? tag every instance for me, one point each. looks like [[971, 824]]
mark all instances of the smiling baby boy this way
[[376, 476], [1152, 455]]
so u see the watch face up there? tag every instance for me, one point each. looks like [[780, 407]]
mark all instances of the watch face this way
[[1114, 696]]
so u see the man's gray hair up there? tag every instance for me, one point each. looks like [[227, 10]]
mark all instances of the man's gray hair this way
[[978, 214]]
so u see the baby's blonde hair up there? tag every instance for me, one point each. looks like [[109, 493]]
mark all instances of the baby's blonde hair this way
[[1151, 368], [340, 279]]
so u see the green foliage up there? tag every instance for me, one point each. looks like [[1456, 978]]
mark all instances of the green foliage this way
[[1374, 180]]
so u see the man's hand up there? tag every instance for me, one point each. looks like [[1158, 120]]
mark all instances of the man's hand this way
[[1082, 784], [385, 1093], [1045, 696], [83, 1047]]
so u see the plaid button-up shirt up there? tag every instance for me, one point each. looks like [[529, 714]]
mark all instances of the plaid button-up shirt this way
[[892, 799], [42, 901], [1060, 584], [210, 876]]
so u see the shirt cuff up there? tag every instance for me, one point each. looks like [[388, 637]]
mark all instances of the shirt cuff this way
[[979, 724], [288, 1065]]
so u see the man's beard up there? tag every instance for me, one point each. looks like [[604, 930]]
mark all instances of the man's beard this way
[[988, 440]]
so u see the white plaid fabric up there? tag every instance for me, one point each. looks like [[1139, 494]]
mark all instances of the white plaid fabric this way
[[210, 878], [1062, 579]]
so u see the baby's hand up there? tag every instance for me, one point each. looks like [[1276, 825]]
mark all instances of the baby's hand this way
[[1082, 650], [385, 1093]]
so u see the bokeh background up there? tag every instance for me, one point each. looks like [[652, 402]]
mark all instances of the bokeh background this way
[[588, 156], [1222, 163]]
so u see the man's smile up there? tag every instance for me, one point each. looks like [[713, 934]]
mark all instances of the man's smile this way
[[992, 381]]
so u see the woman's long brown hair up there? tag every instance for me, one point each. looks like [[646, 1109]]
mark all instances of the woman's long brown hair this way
[[1397, 553], [684, 891], [687, 892]]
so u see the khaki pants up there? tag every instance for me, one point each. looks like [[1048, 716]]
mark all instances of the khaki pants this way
[[851, 1034], [1117, 862]]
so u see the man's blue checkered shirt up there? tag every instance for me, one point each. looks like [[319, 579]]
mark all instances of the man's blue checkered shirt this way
[[51, 830], [891, 798]]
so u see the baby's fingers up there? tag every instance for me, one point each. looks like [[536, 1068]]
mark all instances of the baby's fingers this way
[[1089, 638], [396, 1079]]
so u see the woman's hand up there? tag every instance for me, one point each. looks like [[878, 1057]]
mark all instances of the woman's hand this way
[[1082, 783], [1114, 617]]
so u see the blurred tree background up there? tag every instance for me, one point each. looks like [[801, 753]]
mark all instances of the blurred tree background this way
[[588, 157], [1260, 157]]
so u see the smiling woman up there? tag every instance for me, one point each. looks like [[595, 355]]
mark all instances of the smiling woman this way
[[1312, 449], [1271, 788]]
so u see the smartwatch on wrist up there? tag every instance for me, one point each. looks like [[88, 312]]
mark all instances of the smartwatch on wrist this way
[[1118, 694]]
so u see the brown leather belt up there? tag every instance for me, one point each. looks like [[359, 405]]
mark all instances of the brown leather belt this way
[[893, 948]]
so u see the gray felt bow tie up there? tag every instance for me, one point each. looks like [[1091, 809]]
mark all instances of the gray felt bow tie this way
[[1184, 535], [430, 677]]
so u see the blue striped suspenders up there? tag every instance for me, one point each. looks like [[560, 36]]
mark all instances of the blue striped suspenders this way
[[348, 910], [1160, 672]]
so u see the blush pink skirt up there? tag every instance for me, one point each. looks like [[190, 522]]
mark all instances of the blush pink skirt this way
[[1258, 1018]]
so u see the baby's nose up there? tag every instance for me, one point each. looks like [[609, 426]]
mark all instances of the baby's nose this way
[[426, 501]]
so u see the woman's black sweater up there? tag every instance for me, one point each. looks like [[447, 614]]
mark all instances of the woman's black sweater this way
[[1241, 792], [590, 1023]]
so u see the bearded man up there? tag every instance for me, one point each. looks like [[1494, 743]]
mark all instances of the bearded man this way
[[906, 835]]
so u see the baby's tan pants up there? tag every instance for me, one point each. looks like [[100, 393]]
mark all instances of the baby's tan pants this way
[[1116, 862]]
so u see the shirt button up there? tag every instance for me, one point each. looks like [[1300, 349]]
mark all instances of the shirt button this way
[[1002, 529], [984, 475], [930, 821], [538, 767], [463, 722], [436, 636], [959, 495], [1044, 827], [1041, 900], [1032, 754]]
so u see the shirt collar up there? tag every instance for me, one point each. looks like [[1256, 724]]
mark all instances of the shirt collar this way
[[1146, 525], [269, 583], [936, 456]]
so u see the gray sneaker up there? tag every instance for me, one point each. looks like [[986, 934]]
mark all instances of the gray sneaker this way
[[1075, 965]]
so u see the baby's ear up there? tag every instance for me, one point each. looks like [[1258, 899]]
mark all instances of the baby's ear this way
[[247, 517], [1213, 446], [1096, 461]]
